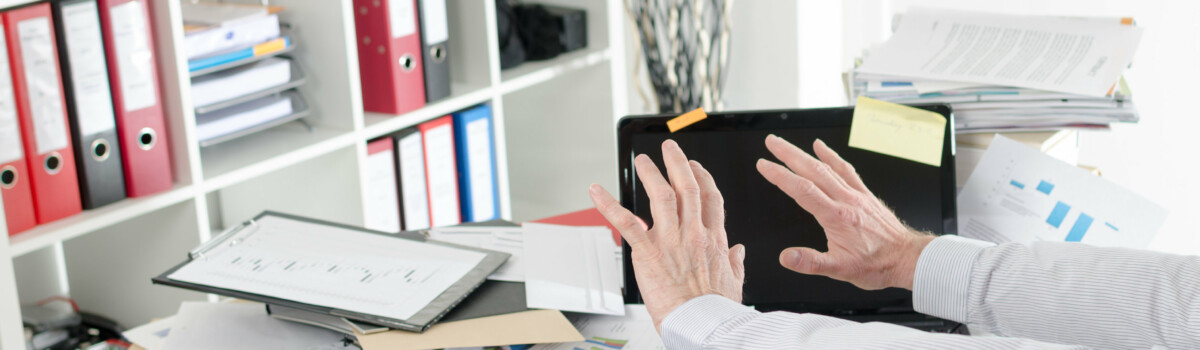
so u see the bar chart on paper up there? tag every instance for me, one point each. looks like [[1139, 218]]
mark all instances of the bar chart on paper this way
[[1018, 194]]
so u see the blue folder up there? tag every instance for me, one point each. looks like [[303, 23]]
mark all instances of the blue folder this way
[[469, 178]]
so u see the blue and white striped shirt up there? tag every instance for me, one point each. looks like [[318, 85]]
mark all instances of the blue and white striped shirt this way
[[1039, 296]]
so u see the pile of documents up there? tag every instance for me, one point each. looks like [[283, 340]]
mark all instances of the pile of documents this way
[[1005, 72], [447, 287]]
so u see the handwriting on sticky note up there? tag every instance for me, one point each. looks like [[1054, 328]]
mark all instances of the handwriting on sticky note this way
[[686, 119], [898, 130]]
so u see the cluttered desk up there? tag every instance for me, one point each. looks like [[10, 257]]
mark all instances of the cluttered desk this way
[[296, 282]]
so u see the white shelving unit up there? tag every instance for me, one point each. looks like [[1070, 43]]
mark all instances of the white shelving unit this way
[[557, 113]]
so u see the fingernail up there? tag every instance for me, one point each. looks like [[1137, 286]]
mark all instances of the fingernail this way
[[791, 258], [772, 136], [594, 188]]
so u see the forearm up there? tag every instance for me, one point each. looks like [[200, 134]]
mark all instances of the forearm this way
[[1063, 293], [713, 322]]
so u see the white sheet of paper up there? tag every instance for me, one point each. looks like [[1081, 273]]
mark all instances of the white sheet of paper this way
[[411, 156], [1018, 194], [1072, 55], [89, 71], [929, 86], [41, 77], [504, 239], [151, 336], [234, 326], [635, 330], [333, 267], [570, 268], [10, 130], [442, 182], [382, 210]]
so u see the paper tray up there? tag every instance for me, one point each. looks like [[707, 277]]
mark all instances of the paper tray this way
[[300, 109], [298, 79], [220, 67]]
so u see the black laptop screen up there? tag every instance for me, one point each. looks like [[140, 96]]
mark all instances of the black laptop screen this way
[[766, 221]]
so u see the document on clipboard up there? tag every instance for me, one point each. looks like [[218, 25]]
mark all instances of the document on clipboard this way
[[400, 280]]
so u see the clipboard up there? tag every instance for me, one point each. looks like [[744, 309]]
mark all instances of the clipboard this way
[[421, 320]]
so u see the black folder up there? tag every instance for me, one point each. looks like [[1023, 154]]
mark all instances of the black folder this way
[[89, 102], [435, 39]]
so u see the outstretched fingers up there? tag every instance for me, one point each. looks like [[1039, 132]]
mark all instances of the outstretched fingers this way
[[630, 226]]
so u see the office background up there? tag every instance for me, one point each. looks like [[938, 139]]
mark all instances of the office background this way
[[554, 127]]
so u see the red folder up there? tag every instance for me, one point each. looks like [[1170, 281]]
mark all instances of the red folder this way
[[132, 69], [37, 87], [441, 172], [586, 217], [389, 56]]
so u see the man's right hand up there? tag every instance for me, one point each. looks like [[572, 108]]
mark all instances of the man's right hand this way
[[868, 245]]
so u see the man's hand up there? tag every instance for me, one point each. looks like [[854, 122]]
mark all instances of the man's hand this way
[[686, 254], [868, 245]]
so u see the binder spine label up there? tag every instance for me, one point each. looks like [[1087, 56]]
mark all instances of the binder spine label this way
[[135, 60], [402, 18], [479, 150], [41, 73], [10, 132], [89, 75], [411, 155], [434, 26]]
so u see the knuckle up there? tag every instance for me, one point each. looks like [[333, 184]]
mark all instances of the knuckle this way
[[802, 188], [626, 223], [847, 215], [689, 191], [664, 195], [824, 169]]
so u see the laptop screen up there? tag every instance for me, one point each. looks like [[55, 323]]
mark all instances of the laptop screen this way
[[766, 220]]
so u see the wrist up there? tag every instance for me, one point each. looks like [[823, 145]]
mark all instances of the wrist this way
[[905, 267]]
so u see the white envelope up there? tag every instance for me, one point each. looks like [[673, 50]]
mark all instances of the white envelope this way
[[571, 268]]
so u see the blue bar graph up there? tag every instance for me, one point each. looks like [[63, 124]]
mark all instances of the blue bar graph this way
[[1045, 187], [1110, 225], [1017, 184], [1058, 214], [1081, 226]]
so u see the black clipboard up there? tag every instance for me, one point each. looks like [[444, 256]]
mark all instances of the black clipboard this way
[[419, 322]]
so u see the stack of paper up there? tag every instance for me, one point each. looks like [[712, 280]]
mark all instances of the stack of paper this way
[[1005, 72], [213, 28]]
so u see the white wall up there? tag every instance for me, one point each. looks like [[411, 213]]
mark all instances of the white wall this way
[[792, 53]]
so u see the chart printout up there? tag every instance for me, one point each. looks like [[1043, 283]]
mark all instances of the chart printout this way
[[1018, 194], [332, 267]]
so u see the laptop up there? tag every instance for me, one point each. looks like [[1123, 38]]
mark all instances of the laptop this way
[[766, 220]]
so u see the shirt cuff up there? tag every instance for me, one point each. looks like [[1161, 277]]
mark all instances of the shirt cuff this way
[[942, 281], [690, 324]]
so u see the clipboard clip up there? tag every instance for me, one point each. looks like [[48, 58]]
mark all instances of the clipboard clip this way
[[225, 237]]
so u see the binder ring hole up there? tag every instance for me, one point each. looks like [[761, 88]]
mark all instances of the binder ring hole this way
[[407, 62], [53, 163], [100, 150], [438, 52], [147, 138], [8, 177]]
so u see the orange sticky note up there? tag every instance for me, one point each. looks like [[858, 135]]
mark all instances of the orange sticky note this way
[[686, 119]]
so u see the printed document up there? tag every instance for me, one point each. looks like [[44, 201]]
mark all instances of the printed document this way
[[234, 326], [504, 239], [1019, 194], [332, 267], [1073, 55]]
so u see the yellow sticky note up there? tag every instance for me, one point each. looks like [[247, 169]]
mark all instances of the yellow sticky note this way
[[898, 130], [686, 119]]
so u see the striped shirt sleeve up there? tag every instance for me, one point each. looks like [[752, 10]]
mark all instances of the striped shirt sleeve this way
[[1046, 293], [1067, 293]]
